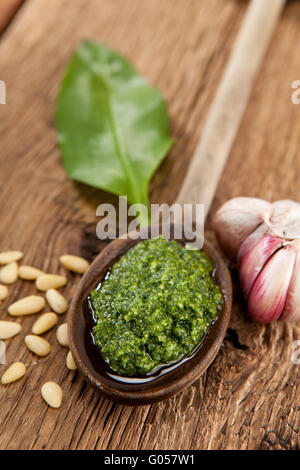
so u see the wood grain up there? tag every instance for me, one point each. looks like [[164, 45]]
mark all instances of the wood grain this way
[[8, 9], [249, 398], [227, 109]]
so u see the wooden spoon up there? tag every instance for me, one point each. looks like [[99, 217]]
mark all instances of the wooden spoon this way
[[199, 187], [140, 391]]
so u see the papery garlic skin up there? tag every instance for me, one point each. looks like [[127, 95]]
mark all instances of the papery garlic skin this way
[[255, 259], [285, 219], [250, 242], [291, 311], [268, 294], [264, 240], [236, 219]]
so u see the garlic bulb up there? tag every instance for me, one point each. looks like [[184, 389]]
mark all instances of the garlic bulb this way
[[264, 240]]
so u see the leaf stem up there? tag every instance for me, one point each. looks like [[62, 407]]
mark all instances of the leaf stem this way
[[135, 195]]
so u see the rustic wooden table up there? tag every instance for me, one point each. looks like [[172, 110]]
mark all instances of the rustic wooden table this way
[[249, 397]]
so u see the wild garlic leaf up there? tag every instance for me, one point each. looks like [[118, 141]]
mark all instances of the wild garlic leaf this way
[[113, 127]]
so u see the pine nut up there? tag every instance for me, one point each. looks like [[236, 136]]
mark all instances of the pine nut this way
[[9, 274], [50, 281], [3, 292], [37, 345], [44, 323], [70, 361], [62, 335], [52, 394], [74, 263], [29, 273], [8, 329], [56, 301], [15, 372], [27, 306], [10, 256]]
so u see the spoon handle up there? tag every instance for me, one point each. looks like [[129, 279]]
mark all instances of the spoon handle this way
[[229, 104]]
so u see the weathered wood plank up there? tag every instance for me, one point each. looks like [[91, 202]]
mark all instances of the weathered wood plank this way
[[249, 398], [8, 9]]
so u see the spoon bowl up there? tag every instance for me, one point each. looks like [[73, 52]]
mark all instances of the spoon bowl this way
[[172, 380]]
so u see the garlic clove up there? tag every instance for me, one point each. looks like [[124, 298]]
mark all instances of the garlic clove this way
[[264, 240], [291, 311], [250, 242], [285, 219], [236, 219], [255, 259], [268, 295]]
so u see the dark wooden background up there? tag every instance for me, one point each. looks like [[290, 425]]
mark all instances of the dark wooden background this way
[[249, 397]]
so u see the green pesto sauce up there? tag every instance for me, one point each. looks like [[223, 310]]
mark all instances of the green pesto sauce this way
[[154, 307]]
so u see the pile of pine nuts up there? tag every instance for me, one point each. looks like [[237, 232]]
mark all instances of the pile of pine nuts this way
[[33, 304]]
